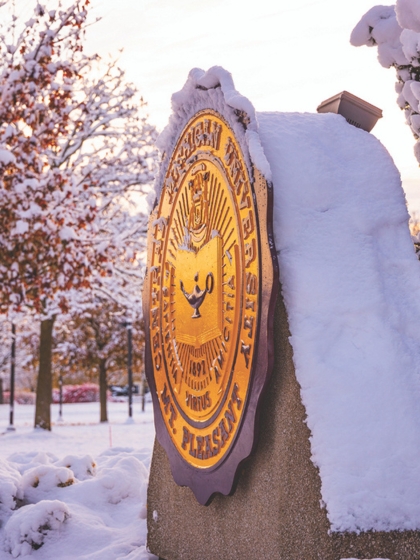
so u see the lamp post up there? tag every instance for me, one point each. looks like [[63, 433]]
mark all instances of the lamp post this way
[[129, 326], [11, 428], [143, 383], [60, 393]]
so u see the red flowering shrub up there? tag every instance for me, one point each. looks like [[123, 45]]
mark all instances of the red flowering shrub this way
[[88, 392]]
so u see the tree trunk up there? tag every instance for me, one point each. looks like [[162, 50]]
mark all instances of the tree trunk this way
[[44, 384], [103, 389], [1, 391]]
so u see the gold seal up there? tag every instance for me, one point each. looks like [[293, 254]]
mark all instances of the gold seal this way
[[209, 297], [203, 292]]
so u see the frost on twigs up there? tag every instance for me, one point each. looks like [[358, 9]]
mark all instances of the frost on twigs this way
[[395, 31], [32, 525], [73, 142], [40, 196]]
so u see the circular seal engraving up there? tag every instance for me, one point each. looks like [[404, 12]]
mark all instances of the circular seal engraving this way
[[204, 294]]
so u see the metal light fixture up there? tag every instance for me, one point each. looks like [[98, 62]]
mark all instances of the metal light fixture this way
[[356, 111]]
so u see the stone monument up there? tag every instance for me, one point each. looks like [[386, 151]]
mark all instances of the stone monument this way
[[240, 468]]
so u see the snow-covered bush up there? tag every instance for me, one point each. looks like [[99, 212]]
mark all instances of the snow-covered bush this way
[[32, 525], [83, 467], [395, 31], [38, 482], [82, 505], [10, 489], [122, 476]]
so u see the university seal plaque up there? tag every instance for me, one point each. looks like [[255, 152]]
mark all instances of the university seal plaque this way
[[209, 294]]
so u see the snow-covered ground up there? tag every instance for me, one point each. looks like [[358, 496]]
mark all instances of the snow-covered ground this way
[[81, 488], [83, 484]]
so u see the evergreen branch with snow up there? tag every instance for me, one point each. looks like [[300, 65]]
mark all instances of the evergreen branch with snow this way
[[395, 31]]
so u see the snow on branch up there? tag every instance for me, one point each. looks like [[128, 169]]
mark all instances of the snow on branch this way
[[395, 31], [75, 153]]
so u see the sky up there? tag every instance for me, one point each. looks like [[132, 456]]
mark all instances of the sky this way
[[283, 56]]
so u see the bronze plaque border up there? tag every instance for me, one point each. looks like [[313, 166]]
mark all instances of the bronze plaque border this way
[[222, 477]]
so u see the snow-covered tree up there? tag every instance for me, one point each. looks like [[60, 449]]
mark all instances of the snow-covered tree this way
[[92, 333], [72, 148], [395, 31], [94, 339]]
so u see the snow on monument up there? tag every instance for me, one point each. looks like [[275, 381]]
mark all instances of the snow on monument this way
[[336, 469], [351, 286]]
